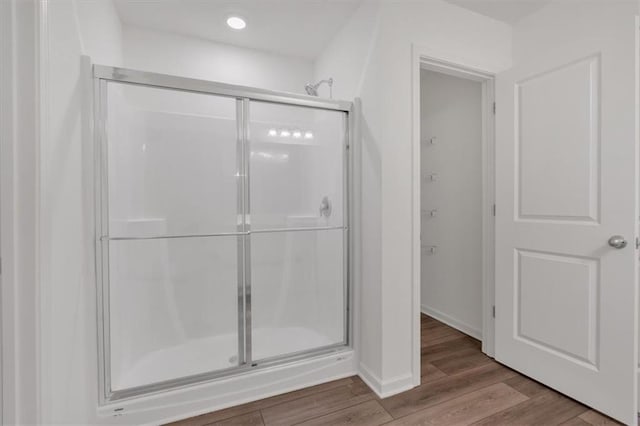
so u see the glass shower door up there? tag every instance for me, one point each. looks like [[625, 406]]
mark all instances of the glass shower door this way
[[221, 237], [297, 211], [169, 235]]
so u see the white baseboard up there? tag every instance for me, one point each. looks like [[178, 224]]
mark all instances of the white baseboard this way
[[452, 322], [386, 388]]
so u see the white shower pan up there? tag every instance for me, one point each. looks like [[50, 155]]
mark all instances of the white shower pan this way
[[214, 354]]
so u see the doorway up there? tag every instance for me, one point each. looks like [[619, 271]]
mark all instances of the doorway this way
[[456, 199]]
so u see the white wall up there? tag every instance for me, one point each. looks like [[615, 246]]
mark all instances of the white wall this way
[[100, 31], [451, 278], [345, 59], [446, 32], [191, 57], [348, 53], [68, 337]]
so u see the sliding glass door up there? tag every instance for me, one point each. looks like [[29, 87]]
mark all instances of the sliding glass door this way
[[221, 230], [297, 211], [168, 235]]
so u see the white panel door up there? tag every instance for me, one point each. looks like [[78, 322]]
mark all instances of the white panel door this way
[[566, 183]]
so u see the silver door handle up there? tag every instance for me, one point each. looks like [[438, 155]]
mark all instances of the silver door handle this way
[[617, 241]]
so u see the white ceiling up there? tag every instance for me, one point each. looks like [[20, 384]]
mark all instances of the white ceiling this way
[[509, 11], [300, 28]]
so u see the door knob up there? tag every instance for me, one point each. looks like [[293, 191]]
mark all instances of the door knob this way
[[617, 241]]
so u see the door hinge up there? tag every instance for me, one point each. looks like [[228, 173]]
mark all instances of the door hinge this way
[[494, 108], [493, 311], [493, 209]]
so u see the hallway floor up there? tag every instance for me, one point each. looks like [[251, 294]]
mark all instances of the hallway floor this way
[[460, 386]]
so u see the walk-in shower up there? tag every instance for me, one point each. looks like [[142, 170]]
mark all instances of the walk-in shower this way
[[222, 229]]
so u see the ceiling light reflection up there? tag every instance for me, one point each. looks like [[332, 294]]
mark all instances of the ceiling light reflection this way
[[269, 156]]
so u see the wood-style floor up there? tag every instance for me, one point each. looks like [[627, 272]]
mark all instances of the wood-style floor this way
[[460, 386]]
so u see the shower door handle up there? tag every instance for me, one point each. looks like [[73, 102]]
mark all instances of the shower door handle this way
[[325, 207]]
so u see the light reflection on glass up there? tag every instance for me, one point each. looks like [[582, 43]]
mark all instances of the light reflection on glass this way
[[276, 157]]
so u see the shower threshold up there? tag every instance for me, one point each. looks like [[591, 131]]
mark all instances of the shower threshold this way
[[210, 354]]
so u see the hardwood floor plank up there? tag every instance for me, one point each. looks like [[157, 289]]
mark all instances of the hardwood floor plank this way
[[227, 413], [549, 408], [462, 360], [446, 388], [435, 341], [359, 387], [465, 409], [430, 372], [594, 418], [446, 349], [439, 333], [526, 386], [251, 419], [576, 421], [315, 405], [368, 413]]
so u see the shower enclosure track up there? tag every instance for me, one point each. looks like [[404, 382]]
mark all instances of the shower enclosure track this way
[[225, 234], [243, 95]]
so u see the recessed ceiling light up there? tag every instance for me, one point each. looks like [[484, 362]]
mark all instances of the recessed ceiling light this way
[[236, 22]]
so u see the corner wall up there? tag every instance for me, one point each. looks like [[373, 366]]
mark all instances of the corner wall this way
[[380, 36], [68, 390]]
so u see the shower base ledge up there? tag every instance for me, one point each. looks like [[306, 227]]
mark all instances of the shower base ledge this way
[[181, 403], [197, 356]]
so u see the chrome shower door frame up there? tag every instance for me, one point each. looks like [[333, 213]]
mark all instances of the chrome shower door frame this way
[[102, 75]]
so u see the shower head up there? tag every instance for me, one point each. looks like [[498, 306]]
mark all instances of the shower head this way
[[312, 89]]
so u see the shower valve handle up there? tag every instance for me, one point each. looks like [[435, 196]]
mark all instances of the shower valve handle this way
[[325, 207]]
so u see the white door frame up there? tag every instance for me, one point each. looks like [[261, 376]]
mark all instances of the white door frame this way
[[424, 59], [7, 124], [20, 41]]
